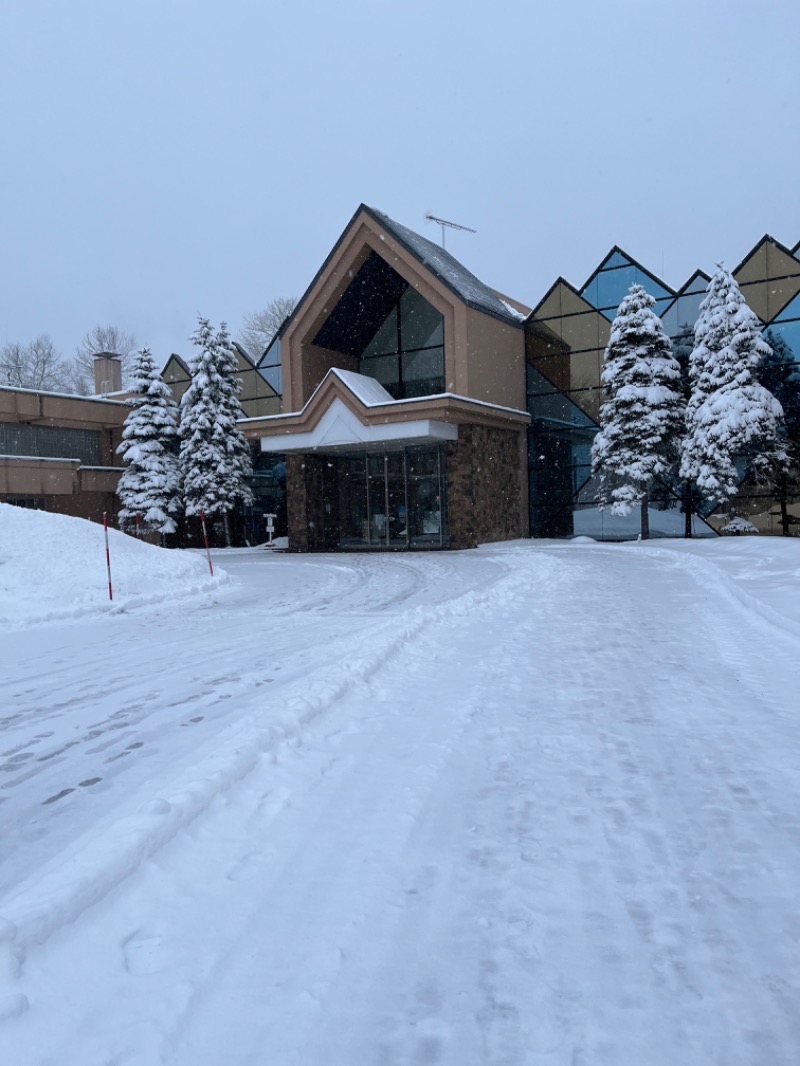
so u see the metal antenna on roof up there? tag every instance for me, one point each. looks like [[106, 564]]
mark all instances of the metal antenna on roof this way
[[452, 225]]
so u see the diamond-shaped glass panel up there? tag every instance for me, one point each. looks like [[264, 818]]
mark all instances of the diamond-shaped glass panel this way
[[682, 312], [789, 332], [272, 376], [792, 310], [609, 286]]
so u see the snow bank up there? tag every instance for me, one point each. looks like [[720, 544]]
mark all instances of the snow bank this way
[[54, 567]]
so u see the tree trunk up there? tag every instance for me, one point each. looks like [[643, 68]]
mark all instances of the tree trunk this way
[[227, 529], [783, 490], [688, 509], [646, 515]]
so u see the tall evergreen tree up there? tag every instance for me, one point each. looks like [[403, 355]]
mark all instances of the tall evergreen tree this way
[[642, 417], [780, 373], [150, 483], [214, 454], [730, 417], [682, 348]]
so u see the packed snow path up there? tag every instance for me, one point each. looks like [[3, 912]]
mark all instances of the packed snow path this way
[[517, 806]]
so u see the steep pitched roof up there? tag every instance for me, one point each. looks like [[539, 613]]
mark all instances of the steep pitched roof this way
[[448, 270]]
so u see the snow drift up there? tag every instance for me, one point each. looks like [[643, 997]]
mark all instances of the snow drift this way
[[54, 567]]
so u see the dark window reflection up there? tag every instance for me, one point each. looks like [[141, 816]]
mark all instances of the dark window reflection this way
[[406, 353]]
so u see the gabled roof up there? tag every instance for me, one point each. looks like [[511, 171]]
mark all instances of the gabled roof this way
[[243, 353], [447, 269], [181, 363], [616, 250], [766, 239]]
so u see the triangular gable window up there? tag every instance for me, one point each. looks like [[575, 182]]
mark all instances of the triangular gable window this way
[[608, 286]]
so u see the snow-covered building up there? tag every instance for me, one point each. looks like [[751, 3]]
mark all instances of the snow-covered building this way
[[58, 451], [564, 392], [422, 408], [406, 404], [404, 420]]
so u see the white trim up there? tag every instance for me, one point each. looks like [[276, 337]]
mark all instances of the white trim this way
[[385, 403], [339, 428], [67, 395], [40, 458]]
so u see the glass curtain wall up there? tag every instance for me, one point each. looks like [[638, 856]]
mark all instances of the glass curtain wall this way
[[564, 395], [391, 499], [565, 361], [406, 353]]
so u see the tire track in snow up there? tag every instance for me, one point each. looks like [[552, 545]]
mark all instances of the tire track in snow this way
[[102, 861]]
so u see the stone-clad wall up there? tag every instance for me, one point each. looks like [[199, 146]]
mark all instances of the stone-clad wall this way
[[486, 486], [486, 491], [305, 502]]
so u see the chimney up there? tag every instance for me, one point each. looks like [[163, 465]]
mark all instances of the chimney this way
[[107, 373]]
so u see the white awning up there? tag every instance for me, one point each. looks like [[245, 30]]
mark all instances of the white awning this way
[[339, 429]]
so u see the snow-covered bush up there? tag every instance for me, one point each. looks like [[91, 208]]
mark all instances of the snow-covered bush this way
[[737, 526]]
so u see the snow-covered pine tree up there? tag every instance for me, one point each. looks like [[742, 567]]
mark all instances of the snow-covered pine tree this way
[[642, 417], [730, 416], [150, 483], [214, 455], [682, 348], [780, 373]]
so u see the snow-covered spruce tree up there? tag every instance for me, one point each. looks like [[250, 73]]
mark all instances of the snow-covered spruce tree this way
[[730, 416], [150, 483], [214, 456], [779, 372], [682, 348], [642, 417]]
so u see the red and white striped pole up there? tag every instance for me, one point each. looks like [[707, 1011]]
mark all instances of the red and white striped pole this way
[[205, 538], [108, 556]]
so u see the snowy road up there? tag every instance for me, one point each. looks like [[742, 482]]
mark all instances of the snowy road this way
[[526, 805]]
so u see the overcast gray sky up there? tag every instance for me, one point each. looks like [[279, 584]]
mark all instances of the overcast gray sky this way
[[161, 158]]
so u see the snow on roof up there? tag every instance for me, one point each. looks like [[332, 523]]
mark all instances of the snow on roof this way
[[105, 398], [448, 269], [373, 394], [513, 311], [364, 388]]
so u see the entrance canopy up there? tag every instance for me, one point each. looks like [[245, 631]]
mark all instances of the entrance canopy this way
[[351, 411]]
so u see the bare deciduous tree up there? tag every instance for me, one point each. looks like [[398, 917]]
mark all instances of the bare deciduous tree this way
[[36, 365], [261, 326], [96, 340]]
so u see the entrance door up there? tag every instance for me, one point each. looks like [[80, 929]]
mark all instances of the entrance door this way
[[389, 499]]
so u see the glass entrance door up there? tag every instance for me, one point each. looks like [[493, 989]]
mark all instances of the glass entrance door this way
[[391, 499]]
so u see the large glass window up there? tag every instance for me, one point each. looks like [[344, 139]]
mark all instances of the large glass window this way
[[390, 499], [51, 442], [609, 285], [406, 353], [680, 317], [269, 366]]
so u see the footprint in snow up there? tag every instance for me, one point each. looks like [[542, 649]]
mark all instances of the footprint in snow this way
[[142, 953]]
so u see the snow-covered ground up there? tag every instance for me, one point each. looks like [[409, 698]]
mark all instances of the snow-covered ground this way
[[531, 804]]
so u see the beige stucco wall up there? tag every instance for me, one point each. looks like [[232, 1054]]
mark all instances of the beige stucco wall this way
[[38, 477], [495, 361], [53, 409]]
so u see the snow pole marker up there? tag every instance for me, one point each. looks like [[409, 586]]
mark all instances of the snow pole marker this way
[[205, 538], [108, 555]]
